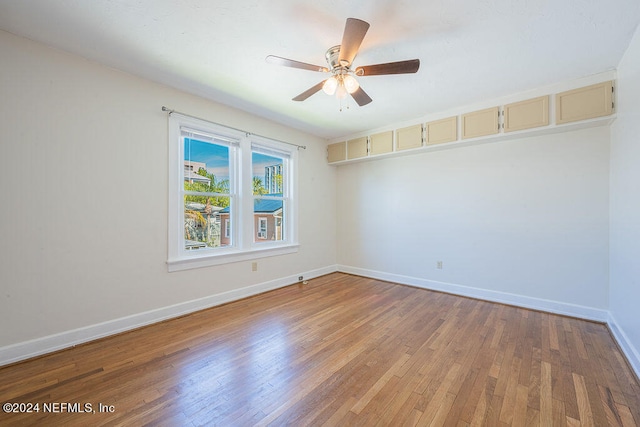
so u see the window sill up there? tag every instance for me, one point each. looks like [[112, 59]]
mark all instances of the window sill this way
[[208, 259]]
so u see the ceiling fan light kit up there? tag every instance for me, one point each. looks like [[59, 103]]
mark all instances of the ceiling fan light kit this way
[[340, 84], [340, 58]]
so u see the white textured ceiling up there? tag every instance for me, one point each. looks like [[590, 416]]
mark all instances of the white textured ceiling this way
[[469, 50]]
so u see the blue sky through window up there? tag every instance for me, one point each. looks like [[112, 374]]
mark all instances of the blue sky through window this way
[[260, 161], [216, 157]]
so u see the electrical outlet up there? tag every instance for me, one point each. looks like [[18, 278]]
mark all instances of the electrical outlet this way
[[254, 266], [439, 265]]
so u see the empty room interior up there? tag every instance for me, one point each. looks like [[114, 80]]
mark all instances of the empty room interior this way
[[320, 213]]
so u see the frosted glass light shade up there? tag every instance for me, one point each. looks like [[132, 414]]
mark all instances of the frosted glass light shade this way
[[330, 85], [341, 92], [351, 84]]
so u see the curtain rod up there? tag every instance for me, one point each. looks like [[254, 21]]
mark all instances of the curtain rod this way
[[170, 111]]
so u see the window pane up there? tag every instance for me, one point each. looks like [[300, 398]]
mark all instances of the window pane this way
[[206, 166], [268, 171], [206, 224], [268, 219]]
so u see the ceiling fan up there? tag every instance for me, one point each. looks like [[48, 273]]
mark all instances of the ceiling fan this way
[[340, 59]]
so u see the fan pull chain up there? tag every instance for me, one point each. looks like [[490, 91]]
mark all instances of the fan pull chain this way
[[346, 103]]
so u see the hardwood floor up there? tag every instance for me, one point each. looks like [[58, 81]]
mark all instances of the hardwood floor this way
[[342, 350]]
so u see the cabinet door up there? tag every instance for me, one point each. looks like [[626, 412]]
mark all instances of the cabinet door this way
[[585, 103], [337, 152], [527, 114], [410, 137], [357, 148], [381, 143], [445, 130], [480, 123]]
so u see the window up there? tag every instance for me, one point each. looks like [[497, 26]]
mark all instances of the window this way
[[207, 189], [270, 192], [231, 195], [262, 228]]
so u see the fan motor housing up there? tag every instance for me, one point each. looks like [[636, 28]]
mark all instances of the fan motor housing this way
[[332, 55]]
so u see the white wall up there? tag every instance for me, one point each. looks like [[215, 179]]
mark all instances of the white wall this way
[[83, 179], [524, 220], [625, 204]]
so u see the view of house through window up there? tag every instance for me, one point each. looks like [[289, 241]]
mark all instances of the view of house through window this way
[[269, 195], [207, 201]]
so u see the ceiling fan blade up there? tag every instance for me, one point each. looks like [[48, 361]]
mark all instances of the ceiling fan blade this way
[[354, 32], [361, 97], [307, 93], [400, 67], [271, 59]]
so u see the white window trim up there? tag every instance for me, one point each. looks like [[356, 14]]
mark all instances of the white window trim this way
[[243, 247]]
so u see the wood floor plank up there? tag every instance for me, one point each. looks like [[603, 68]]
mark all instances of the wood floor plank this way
[[480, 411], [546, 398], [340, 350], [584, 404], [510, 393], [535, 373], [520, 406]]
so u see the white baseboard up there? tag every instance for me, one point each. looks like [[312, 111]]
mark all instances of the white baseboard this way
[[39, 346], [549, 306], [36, 347], [629, 350]]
